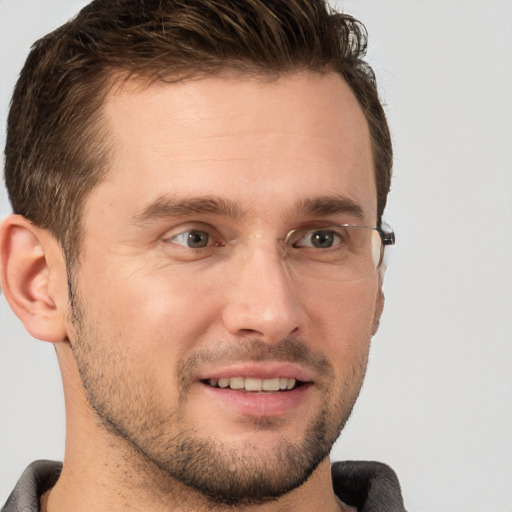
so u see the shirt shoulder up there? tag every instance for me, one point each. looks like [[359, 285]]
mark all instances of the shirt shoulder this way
[[368, 486], [34, 482]]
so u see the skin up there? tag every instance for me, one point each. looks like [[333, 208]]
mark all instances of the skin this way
[[150, 323]]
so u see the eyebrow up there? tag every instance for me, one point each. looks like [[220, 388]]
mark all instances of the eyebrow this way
[[166, 207], [332, 205]]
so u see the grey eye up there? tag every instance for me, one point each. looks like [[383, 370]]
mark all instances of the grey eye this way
[[322, 239], [194, 239], [319, 239]]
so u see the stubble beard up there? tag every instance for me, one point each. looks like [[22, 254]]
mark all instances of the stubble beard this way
[[170, 450]]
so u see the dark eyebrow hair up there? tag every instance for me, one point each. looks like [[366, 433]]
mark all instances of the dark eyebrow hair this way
[[330, 205], [166, 206], [169, 206]]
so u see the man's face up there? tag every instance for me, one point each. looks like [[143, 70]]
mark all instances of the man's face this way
[[182, 286]]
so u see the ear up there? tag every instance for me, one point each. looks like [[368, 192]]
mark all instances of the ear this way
[[33, 278], [379, 307]]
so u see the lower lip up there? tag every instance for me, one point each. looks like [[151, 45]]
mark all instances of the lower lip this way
[[259, 403]]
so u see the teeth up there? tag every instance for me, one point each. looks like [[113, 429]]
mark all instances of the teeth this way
[[223, 383], [253, 384], [237, 383], [270, 384]]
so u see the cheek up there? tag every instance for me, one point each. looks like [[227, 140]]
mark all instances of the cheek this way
[[343, 316], [158, 314]]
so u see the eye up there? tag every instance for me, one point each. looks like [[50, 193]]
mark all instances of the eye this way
[[192, 238], [319, 239]]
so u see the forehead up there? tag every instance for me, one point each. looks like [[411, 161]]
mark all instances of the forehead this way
[[251, 141]]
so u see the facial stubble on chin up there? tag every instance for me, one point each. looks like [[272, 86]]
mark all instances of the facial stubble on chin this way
[[169, 447]]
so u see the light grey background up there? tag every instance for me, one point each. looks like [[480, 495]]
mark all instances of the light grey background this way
[[437, 402]]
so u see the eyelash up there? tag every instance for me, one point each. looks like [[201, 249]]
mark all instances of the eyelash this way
[[183, 234], [183, 251], [178, 241]]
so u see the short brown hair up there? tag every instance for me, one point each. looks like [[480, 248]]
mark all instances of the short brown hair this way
[[55, 153]]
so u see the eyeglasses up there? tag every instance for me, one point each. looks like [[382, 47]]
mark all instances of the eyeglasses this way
[[338, 252], [335, 252]]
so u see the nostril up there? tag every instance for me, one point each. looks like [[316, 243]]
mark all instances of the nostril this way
[[250, 332]]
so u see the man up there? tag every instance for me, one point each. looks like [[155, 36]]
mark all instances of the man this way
[[198, 190]]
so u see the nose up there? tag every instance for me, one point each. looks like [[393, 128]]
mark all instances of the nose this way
[[263, 300]]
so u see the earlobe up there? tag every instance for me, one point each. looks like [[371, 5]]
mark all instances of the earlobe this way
[[29, 263]]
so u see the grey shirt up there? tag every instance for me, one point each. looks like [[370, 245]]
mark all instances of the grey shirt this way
[[368, 486]]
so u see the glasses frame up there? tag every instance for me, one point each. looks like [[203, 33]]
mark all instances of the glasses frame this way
[[385, 231]]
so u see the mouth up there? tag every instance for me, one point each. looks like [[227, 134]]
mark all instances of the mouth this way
[[254, 385], [259, 389]]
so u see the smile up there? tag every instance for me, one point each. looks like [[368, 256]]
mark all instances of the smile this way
[[254, 384]]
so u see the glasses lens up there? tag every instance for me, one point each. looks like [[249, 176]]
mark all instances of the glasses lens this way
[[337, 252]]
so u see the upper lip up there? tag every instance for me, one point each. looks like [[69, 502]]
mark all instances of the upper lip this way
[[259, 370]]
